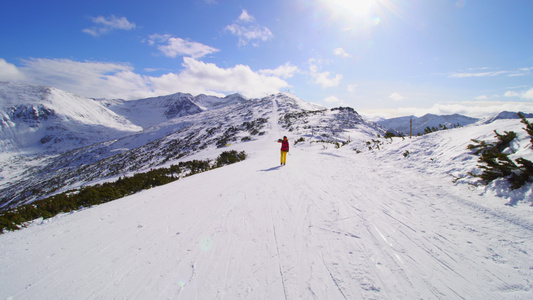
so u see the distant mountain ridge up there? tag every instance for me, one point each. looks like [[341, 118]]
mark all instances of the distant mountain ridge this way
[[37, 118], [156, 110], [402, 124], [505, 115]]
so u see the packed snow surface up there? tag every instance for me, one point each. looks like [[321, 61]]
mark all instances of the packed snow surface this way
[[331, 224]]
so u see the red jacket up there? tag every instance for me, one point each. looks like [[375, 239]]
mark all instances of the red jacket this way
[[285, 145]]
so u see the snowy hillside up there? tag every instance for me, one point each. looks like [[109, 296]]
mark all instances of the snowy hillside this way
[[153, 111], [37, 119], [44, 120], [155, 146], [334, 223], [504, 115], [183, 130], [420, 124]]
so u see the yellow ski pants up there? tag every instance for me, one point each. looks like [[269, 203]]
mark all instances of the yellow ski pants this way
[[283, 157]]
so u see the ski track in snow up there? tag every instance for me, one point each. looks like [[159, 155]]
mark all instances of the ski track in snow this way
[[328, 225]]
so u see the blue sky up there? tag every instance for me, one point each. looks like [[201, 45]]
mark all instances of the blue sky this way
[[381, 57]]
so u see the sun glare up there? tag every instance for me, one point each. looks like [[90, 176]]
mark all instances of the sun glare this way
[[352, 7]]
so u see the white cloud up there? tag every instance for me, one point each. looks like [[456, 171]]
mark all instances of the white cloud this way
[[323, 78], [332, 100], [340, 52], [105, 25], [511, 94], [397, 97], [285, 71], [480, 108], [482, 97], [478, 74], [245, 17], [199, 77], [525, 95], [351, 88], [508, 73], [528, 95], [326, 81], [249, 32], [90, 79], [173, 46], [151, 69], [9, 72], [116, 80]]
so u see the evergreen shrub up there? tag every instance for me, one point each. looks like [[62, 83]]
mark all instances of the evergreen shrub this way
[[496, 164]]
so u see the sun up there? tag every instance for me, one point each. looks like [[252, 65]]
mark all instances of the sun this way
[[354, 8]]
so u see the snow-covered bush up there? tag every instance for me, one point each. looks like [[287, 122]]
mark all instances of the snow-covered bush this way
[[230, 157], [528, 129], [495, 162]]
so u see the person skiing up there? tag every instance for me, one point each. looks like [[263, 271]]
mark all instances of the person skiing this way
[[284, 149]]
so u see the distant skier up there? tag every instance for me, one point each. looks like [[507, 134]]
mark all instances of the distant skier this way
[[284, 149]]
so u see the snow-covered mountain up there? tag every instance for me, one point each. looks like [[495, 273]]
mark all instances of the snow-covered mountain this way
[[505, 115], [402, 124], [37, 119], [174, 127], [153, 111]]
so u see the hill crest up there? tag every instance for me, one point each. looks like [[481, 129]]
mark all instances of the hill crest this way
[[175, 127]]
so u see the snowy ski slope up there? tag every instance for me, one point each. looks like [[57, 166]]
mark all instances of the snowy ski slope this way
[[331, 224]]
